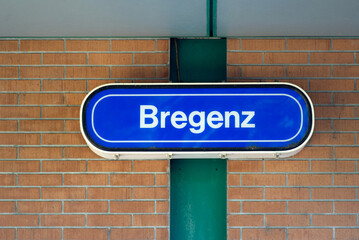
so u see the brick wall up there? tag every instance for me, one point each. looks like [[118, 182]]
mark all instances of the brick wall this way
[[313, 195], [54, 187], [51, 185]]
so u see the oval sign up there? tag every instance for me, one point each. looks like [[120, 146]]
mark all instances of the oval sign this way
[[197, 120]]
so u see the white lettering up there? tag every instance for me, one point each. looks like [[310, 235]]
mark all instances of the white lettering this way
[[215, 116], [178, 116], [163, 118], [227, 118], [250, 115], [201, 123], [144, 115]]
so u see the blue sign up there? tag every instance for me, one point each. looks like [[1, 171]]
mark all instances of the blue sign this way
[[201, 117]]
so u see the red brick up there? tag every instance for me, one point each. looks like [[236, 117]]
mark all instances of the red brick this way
[[39, 207], [151, 58], [312, 233], [108, 220], [245, 166], [263, 44], [109, 193], [85, 207], [285, 58], [310, 207], [345, 234], [333, 193], [132, 179], [109, 166], [19, 220], [7, 180], [232, 44], [63, 166], [162, 233], [19, 139], [8, 46], [345, 44], [286, 166], [110, 58], [346, 179], [79, 152], [162, 72], [345, 98], [287, 193], [60, 112], [245, 193], [132, 207], [309, 179], [7, 207], [163, 45], [7, 233], [234, 234], [62, 220], [64, 85], [332, 84], [264, 207], [133, 72], [347, 207], [40, 153], [87, 72], [334, 112], [87, 45], [233, 179], [98, 82], [85, 233], [309, 71], [233, 71], [64, 58], [162, 180], [8, 98], [333, 166], [320, 98], [333, 139], [132, 233], [263, 71], [346, 71], [9, 72], [63, 193], [245, 220], [41, 98], [346, 125], [263, 180], [18, 166], [150, 220], [20, 59], [308, 44], [323, 125], [150, 193], [334, 220], [133, 45], [20, 85], [41, 125], [41, 45], [41, 72], [63, 139], [85, 179], [287, 220], [331, 58], [162, 207], [150, 166], [244, 58], [19, 112], [39, 179], [347, 152], [72, 126], [264, 234]]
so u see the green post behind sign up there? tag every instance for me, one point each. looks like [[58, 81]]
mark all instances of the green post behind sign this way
[[198, 201]]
